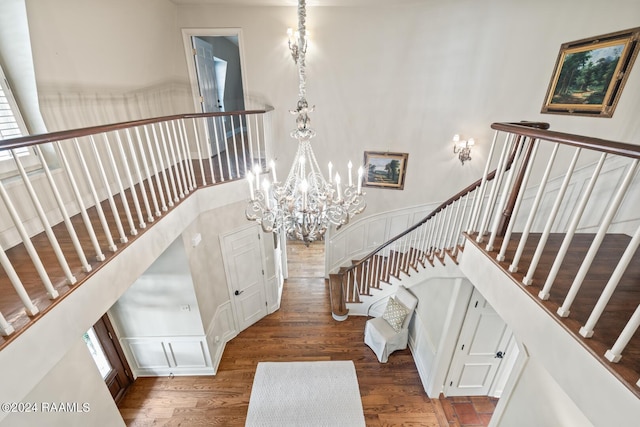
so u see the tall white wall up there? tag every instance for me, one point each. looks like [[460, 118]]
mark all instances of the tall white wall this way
[[406, 77]]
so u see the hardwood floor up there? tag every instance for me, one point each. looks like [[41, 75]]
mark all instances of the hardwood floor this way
[[301, 330]]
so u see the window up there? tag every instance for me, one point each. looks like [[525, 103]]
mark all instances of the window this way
[[12, 126]]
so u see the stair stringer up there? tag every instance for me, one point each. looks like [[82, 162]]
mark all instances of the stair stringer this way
[[374, 304]]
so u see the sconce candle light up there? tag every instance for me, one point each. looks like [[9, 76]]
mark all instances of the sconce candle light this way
[[462, 148]]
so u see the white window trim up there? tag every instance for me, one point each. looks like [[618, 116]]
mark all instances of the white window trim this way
[[28, 156]]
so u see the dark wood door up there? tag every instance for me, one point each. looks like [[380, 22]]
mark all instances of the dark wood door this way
[[119, 377]]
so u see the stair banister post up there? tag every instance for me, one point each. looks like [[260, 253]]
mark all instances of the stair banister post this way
[[564, 311], [182, 165], [477, 202], [534, 210], [573, 225], [226, 147], [184, 141], [528, 278], [614, 354], [503, 199], [459, 231], [235, 144], [587, 330], [495, 188], [515, 189], [516, 207]]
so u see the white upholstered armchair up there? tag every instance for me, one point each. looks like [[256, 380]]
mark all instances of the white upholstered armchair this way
[[390, 332]]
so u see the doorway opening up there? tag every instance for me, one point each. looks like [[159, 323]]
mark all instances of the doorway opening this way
[[107, 353], [214, 59]]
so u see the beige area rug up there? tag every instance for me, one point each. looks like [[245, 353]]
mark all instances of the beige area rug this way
[[305, 394]]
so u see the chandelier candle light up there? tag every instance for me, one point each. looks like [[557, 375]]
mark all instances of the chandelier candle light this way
[[305, 204]]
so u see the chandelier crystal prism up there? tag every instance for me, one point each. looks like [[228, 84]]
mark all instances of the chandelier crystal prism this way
[[305, 205]]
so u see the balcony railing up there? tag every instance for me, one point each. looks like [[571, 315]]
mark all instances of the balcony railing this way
[[99, 187]]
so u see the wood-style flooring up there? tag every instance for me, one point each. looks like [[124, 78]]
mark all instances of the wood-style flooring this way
[[302, 330]]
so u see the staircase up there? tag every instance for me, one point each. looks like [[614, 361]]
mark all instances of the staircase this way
[[569, 242]]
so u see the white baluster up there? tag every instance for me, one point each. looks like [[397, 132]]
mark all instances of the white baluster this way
[[516, 207], [534, 210], [116, 174], [29, 307], [587, 330], [258, 133], [136, 168], [5, 328], [451, 242], [86, 267], [163, 170], [528, 278], [446, 228], [83, 211], [53, 240], [495, 188], [615, 353], [497, 219], [250, 139], [235, 146], [179, 158], [154, 166], [170, 162], [226, 147], [566, 242], [145, 165], [199, 150], [132, 187], [177, 164], [214, 120], [477, 202], [105, 183], [28, 245], [184, 143], [243, 143], [207, 139], [595, 245], [94, 194], [459, 238]]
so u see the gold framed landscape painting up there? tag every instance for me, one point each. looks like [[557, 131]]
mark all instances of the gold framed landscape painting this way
[[384, 169], [590, 74]]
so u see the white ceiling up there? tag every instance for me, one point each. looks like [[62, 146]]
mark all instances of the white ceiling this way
[[345, 3]]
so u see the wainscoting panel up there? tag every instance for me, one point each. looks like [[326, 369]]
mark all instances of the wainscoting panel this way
[[162, 356]]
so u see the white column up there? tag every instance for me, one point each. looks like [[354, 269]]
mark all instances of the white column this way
[[615, 353]]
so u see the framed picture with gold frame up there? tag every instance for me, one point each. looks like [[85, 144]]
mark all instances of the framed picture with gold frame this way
[[590, 74], [384, 169]]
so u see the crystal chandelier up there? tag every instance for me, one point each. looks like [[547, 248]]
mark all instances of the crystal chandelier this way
[[305, 204]]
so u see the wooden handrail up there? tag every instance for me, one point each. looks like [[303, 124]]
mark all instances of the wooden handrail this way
[[31, 140], [587, 142], [457, 196]]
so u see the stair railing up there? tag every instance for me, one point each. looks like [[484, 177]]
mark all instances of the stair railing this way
[[436, 237], [130, 174]]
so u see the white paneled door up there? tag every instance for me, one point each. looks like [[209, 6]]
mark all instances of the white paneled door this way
[[479, 352], [243, 261]]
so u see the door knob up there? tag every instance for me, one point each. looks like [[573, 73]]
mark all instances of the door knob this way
[[237, 292], [499, 355]]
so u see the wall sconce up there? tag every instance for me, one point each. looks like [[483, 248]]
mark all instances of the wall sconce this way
[[462, 148], [294, 47]]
